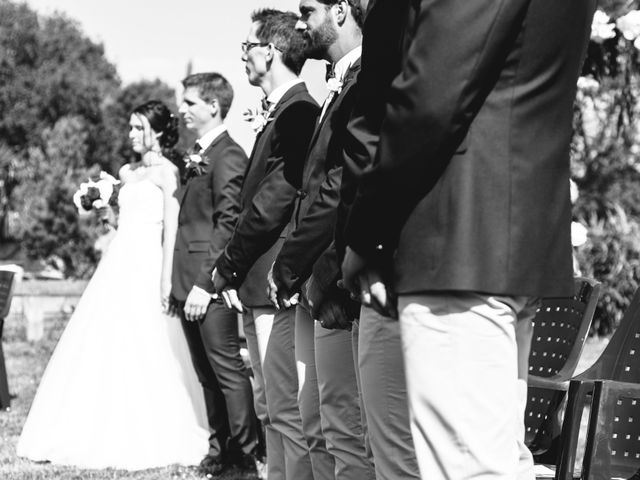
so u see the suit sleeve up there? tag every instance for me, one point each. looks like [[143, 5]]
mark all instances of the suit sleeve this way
[[310, 239], [451, 63], [270, 210], [226, 182]]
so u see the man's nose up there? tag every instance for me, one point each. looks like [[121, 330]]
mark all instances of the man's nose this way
[[300, 25]]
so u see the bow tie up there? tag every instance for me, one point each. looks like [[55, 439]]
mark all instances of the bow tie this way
[[266, 104], [196, 149], [331, 71]]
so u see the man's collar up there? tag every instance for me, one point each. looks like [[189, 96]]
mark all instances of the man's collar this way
[[208, 138], [343, 65], [276, 95]]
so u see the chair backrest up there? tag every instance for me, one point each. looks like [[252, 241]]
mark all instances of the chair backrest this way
[[7, 285], [560, 328], [620, 359]]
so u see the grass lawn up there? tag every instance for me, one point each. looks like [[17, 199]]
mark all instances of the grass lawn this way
[[25, 364]]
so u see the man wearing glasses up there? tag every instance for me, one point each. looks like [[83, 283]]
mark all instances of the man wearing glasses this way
[[273, 55]]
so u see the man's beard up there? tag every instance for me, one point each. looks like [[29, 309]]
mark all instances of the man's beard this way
[[319, 41]]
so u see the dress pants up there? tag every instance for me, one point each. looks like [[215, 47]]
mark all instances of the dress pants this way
[[273, 441], [384, 396], [309, 397], [340, 412], [215, 350], [461, 363], [275, 338]]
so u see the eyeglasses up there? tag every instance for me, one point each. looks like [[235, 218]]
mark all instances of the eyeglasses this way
[[246, 46]]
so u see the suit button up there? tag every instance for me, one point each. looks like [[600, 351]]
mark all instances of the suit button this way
[[301, 194]]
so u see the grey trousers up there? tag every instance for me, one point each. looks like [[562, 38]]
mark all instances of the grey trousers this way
[[384, 396]]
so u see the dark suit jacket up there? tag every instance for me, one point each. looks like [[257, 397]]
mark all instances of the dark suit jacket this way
[[470, 185], [315, 212], [209, 209], [268, 195]]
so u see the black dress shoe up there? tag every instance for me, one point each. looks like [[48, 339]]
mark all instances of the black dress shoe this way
[[211, 465], [635, 476]]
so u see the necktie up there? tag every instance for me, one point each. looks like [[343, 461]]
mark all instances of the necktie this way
[[197, 148]]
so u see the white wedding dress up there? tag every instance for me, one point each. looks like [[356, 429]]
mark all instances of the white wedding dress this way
[[120, 390]]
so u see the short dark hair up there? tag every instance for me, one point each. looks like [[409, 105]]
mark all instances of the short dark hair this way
[[212, 86], [279, 28], [357, 11]]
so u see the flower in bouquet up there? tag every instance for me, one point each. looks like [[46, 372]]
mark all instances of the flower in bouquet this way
[[97, 193]]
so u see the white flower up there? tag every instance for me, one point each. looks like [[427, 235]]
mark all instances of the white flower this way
[[588, 84], [334, 85], [257, 119], [601, 28], [193, 159], [629, 25], [104, 176], [106, 190], [578, 234]]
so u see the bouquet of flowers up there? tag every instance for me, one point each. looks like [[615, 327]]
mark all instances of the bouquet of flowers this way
[[97, 194]]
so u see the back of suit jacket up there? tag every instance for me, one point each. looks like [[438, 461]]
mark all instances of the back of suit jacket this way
[[209, 209], [470, 183], [268, 195]]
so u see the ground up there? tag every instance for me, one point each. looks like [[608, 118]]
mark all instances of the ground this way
[[25, 363]]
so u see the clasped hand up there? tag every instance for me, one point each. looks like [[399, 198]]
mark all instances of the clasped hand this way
[[365, 281], [229, 294], [276, 296]]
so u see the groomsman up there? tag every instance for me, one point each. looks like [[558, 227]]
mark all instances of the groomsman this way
[[273, 54], [465, 213], [333, 33], [380, 362], [209, 208]]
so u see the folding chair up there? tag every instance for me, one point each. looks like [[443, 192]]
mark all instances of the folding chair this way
[[613, 385], [560, 328]]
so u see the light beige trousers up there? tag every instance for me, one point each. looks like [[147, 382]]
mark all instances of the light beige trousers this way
[[465, 400]]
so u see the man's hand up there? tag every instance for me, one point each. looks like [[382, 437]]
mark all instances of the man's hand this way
[[231, 299], [196, 305], [276, 297], [333, 316], [219, 282], [366, 282]]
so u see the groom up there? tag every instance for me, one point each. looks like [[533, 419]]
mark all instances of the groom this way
[[209, 208]]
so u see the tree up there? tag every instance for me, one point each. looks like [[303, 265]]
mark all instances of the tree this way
[[62, 111]]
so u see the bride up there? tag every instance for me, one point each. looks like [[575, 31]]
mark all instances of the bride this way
[[120, 390]]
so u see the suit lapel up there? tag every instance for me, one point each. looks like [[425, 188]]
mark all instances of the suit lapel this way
[[349, 80], [210, 159]]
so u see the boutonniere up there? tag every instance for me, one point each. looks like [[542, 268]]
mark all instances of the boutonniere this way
[[334, 85], [258, 119], [195, 165]]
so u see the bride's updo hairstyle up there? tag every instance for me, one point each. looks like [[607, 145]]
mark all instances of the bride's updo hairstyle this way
[[162, 121]]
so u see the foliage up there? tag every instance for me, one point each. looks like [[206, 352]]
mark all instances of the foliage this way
[[62, 111], [604, 159]]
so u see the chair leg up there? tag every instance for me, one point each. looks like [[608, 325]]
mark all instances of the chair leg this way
[[5, 399], [571, 428]]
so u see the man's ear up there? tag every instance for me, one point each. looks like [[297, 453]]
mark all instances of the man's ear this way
[[214, 106], [342, 11]]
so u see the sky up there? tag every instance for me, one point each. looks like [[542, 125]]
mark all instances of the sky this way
[[148, 39]]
